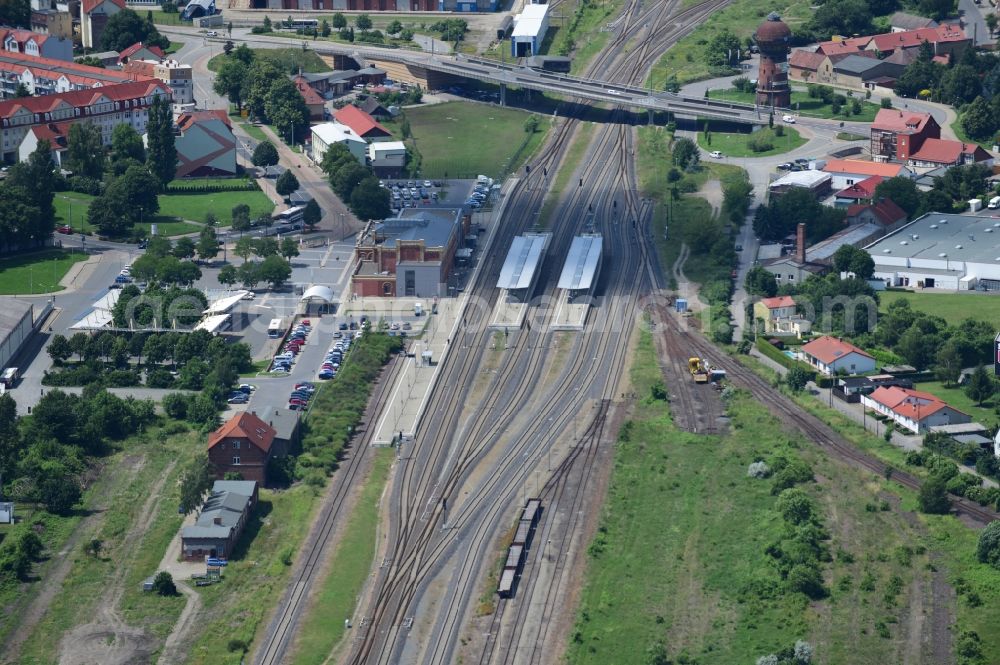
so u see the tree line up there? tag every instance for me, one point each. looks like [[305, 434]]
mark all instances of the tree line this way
[[355, 184]]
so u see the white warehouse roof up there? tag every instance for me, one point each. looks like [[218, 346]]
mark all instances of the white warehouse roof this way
[[334, 132], [808, 179], [941, 237], [581, 263], [531, 21], [522, 261], [386, 146]]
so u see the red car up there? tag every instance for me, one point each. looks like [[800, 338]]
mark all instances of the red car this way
[[65, 229], [298, 402]]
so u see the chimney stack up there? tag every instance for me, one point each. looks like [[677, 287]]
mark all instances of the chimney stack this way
[[800, 243], [217, 521]]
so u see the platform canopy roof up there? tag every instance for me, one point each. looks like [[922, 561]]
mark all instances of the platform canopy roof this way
[[96, 320], [522, 261], [212, 323], [225, 304], [581, 263]]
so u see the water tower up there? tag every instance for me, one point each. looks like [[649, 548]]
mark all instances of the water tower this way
[[772, 78]]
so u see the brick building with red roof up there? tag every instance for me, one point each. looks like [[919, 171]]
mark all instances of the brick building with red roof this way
[[313, 100], [935, 153], [896, 134], [362, 124], [243, 445]]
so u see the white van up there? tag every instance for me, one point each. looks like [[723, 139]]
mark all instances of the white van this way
[[994, 203]]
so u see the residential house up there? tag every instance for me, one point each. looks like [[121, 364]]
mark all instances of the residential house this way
[[313, 100], [913, 410], [843, 46], [55, 133], [946, 39], [36, 44], [52, 22], [206, 145], [858, 71], [804, 65], [831, 355], [362, 124], [104, 107], [846, 172], [387, 158], [45, 76], [859, 192], [287, 428], [328, 133], [411, 255], [903, 22], [174, 74], [884, 213], [242, 445], [779, 317], [374, 108], [94, 15], [794, 268], [221, 520], [140, 51], [934, 153]]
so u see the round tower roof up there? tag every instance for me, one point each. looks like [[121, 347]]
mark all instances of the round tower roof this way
[[773, 29]]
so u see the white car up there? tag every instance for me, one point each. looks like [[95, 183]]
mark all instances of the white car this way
[[790, 119], [211, 33], [716, 154]]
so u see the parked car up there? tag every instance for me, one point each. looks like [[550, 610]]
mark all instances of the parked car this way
[[65, 229], [785, 166], [242, 399], [716, 154], [790, 119], [427, 184]]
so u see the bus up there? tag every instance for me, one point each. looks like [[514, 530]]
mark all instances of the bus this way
[[274, 328], [301, 24], [290, 216]]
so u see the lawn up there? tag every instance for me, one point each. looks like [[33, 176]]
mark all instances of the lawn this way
[[163, 18], [71, 208], [463, 139], [167, 226], [36, 272], [174, 47], [195, 206], [253, 131], [347, 571], [952, 307], [805, 105], [738, 144], [667, 565]]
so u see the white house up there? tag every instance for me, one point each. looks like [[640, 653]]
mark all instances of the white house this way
[[831, 355], [326, 134], [915, 410], [779, 317], [387, 156]]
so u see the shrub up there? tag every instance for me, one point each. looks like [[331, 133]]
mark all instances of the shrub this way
[[759, 469], [760, 142], [988, 548], [163, 584], [235, 645]]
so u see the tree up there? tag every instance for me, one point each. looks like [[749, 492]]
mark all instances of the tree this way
[[84, 150], [21, 91], [369, 200], [265, 154], [289, 248], [59, 494], [850, 259], [988, 548], [394, 28], [231, 79], [960, 84], [126, 144], [227, 275], [287, 184], [936, 9], [933, 496], [159, 246], [324, 28], [275, 270], [241, 217], [59, 349], [760, 282], [796, 378], [685, 154], [244, 247], [108, 213], [978, 120], [195, 481], [208, 246], [338, 21], [901, 191], [981, 386], [185, 248], [285, 108], [841, 17], [16, 13], [991, 22], [126, 27], [723, 50], [795, 506], [807, 579], [948, 362], [161, 155], [249, 275], [163, 584], [347, 177], [265, 247], [312, 215], [363, 22]]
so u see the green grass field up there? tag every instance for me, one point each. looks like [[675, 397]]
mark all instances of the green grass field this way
[[805, 105], [253, 131], [956, 397], [36, 272], [174, 47], [167, 226], [953, 307], [737, 144], [71, 208], [348, 570], [680, 555], [462, 139]]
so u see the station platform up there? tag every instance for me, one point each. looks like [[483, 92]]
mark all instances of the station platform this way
[[570, 316], [507, 315]]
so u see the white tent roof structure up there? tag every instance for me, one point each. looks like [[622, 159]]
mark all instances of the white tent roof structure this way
[[225, 304], [212, 323], [96, 320], [318, 291]]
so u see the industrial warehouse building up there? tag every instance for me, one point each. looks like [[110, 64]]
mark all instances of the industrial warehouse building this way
[[529, 31], [941, 251], [16, 326]]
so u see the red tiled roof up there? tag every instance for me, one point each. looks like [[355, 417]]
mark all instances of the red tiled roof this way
[[310, 96], [946, 33], [245, 426], [901, 122], [885, 210], [139, 67], [944, 151], [778, 301], [848, 46], [828, 349], [806, 60], [863, 168], [138, 46], [188, 118], [21, 36], [359, 121], [913, 404], [54, 133], [88, 6], [78, 98], [861, 190]]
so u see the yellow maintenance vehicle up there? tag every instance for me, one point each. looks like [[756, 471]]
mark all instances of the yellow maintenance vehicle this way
[[698, 369]]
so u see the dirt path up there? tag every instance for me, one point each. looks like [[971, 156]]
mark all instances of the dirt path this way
[[185, 622], [711, 191], [108, 639], [52, 582]]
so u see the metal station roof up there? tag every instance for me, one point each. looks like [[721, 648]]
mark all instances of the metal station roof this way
[[97, 319], [522, 261], [225, 304], [581, 263], [212, 323], [107, 303]]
